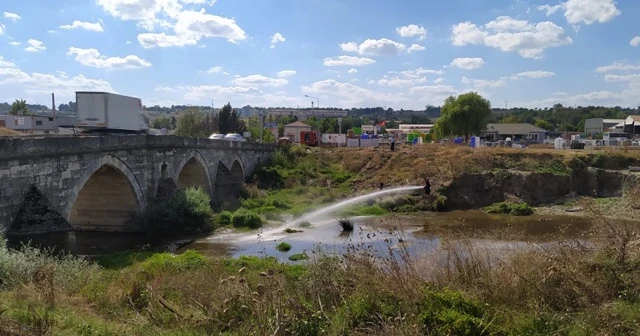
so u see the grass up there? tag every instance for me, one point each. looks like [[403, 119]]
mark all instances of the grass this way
[[9, 132], [291, 230], [559, 289]]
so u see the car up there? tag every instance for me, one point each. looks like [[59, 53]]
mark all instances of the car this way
[[216, 136], [234, 137]]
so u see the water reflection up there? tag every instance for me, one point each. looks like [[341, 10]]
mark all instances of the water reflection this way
[[414, 233]]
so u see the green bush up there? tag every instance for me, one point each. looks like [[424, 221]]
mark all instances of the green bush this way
[[244, 218], [450, 313], [407, 208], [283, 247], [186, 210], [498, 208], [298, 257], [521, 209], [224, 218], [165, 262], [514, 209]]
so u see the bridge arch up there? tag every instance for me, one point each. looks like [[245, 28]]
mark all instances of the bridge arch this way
[[193, 171], [229, 183], [105, 197]]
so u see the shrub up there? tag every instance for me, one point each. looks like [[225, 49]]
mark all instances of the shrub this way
[[298, 257], [283, 247], [439, 203], [186, 210], [498, 208], [515, 209], [224, 218], [521, 209], [407, 208], [244, 218]]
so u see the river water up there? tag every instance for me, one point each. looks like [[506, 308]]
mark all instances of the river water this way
[[421, 232]]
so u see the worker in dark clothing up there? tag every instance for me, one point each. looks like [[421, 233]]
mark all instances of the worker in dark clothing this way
[[392, 141], [427, 186], [381, 185]]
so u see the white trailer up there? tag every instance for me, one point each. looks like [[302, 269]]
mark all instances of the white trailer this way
[[103, 111]]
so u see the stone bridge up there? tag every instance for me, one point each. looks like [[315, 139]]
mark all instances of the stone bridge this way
[[98, 182]]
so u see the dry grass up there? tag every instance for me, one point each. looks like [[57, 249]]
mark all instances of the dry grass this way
[[9, 133]]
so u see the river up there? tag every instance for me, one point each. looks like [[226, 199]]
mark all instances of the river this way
[[419, 232]]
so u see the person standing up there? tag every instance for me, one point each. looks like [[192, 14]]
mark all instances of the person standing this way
[[427, 186], [392, 140]]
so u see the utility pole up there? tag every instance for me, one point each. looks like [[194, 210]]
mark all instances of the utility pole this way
[[261, 115], [506, 103]]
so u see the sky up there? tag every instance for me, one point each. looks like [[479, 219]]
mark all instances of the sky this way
[[340, 53]]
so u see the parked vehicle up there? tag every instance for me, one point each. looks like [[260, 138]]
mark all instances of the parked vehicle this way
[[234, 137], [109, 112], [216, 136]]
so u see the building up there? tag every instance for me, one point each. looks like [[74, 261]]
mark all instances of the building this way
[[304, 114], [371, 129], [632, 125], [600, 125], [33, 124], [519, 131], [411, 128], [292, 130]]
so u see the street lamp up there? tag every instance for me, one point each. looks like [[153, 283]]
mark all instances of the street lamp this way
[[314, 98]]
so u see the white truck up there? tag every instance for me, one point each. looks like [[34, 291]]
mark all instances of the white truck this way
[[109, 112]]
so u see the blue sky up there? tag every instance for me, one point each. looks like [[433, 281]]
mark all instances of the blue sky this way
[[348, 53]]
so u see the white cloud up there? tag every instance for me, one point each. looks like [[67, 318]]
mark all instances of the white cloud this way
[[619, 66], [93, 58], [468, 63], [438, 80], [635, 42], [15, 43], [51, 31], [96, 27], [195, 93], [165, 89], [348, 61], [494, 83], [533, 74], [348, 94], [412, 30], [622, 78], [400, 82], [1, 29], [35, 46], [286, 73], [6, 64], [585, 11], [11, 16], [416, 47], [371, 47], [277, 38], [550, 9], [352, 71], [259, 80], [215, 69], [511, 35], [43, 84], [188, 26]]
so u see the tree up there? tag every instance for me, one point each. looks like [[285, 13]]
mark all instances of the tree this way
[[19, 107], [544, 124], [466, 115], [229, 121], [161, 122], [190, 124], [510, 120]]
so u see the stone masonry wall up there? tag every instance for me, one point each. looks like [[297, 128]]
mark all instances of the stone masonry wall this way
[[59, 166]]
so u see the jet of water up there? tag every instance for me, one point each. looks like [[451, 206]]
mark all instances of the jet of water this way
[[345, 203]]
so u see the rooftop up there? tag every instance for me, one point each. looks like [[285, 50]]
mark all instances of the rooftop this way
[[297, 124], [513, 129]]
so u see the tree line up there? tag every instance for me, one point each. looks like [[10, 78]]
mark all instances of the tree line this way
[[196, 123]]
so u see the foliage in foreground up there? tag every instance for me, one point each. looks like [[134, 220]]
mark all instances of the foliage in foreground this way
[[561, 289], [185, 211]]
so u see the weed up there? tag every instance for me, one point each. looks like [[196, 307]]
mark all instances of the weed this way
[[291, 230], [243, 218], [513, 209], [346, 225], [298, 257]]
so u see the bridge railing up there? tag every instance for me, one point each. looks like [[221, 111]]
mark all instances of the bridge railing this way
[[55, 145]]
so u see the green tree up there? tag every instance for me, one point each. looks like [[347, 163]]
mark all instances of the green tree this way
[[465, 115], [161, 122], [544, 124], [190, 124], [510, 120], [229, 121], [19, 107]]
